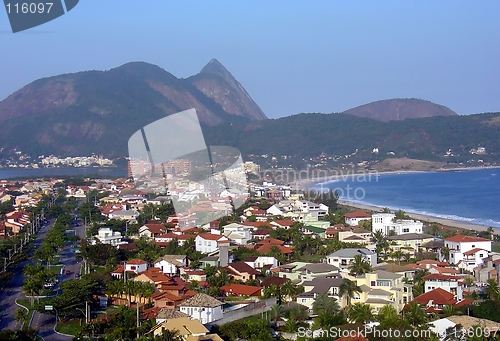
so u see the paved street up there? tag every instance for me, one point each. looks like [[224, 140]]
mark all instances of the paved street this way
[[43, 322], [13, 290]]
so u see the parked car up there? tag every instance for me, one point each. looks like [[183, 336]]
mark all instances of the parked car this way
[[68, 272], [77, 275]]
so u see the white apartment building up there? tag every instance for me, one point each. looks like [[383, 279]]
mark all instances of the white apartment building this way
[[465, 251], [105, 235], [384, 222]]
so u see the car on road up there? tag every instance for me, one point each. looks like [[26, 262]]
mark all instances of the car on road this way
[[68, 272], [77, 275]]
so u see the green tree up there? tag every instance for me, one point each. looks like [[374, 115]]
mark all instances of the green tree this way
[[492, 291], [360, 313], [449, 310], [20, 315], [388, 316], [359, 266], [348, 289], [275, 313], [415, 315], [322, 302]]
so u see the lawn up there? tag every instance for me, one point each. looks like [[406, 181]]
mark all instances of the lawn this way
[[56, 269], [26, 303], [71, 327]]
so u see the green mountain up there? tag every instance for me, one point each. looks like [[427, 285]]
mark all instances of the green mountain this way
[[301, 139], [97, 111]]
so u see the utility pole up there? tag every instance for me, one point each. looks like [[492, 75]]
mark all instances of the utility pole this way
[[10, 250], [4, 264]]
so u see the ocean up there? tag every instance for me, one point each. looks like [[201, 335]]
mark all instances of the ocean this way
[[471, 195]]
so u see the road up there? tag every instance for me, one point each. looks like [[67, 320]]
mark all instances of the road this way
[[13, 291]]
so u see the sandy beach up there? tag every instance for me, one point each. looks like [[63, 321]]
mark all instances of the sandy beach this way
[[421, 217]]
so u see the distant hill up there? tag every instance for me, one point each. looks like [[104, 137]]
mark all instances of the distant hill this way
[[301, 139], [97, 111], [400, 109]]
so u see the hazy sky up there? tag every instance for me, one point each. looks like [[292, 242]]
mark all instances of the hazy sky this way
[[291, 56]]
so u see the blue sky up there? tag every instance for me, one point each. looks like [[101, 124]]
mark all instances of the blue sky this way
[[291, 56]]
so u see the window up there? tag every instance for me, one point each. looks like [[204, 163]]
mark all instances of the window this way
[[372, 283], [481, 255]]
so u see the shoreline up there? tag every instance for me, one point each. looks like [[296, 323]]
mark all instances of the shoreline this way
[[429, 219], [312, 183]]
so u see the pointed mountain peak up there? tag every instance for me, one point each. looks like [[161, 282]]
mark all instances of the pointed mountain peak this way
[[214, 66]]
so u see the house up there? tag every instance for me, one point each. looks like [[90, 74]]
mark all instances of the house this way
[[435, 300], [452, 284], [409, 242], [152, 230], [259, 262], [170, 264], [202, 307], [273, 280], [319, 285], [355, 235], [153, 276], [167, 300], [136, 265], [238, 234], [167, 314], [465, 251], [354, 218], [380, 288], [407, 272], [265, 246], [490, 269], [129, 215], [241, 290], [310, 271], [105, 235], [195, 275], [261, 234], [184, 326], [241, 271], [385, 223], [342, 259], [282, 223], [209, 242]]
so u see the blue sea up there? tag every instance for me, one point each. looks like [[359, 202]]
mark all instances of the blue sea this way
[[471, 196]]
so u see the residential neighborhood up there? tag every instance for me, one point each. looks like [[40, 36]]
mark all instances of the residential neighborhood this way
[[285, 259]]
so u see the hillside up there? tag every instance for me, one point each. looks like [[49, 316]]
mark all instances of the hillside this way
[[400, 109], [97, 111], [323, 138]]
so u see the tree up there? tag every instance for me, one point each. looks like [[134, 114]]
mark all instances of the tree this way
[[275, 313], [492, 291], [449, 310], [398, 254], [415, 315], [323, 302], [445, 251], [359, 266], [20, 315], [360, 313], [348, 289], [388, 316], [298, 313], [381, 242], [469, 281]]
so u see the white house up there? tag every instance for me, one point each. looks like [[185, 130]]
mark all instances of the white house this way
[[170, 264], [237, 233], [465, 251], [136, 265], [262, 261], [452, 284], [384, 222], [342, 259], [209, 242], [203, 308], [105, 235], [354, 218]]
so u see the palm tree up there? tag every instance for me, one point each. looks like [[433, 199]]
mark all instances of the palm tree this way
[[388, 316], [359, 266], [129, 289], [469, 281], [415, 315], [360, 313], [20, 315], [299, 313], [445, 251], [193, 285], [275, 313], [322, 302], [380, 240], [291, 326], [492, 291], [288, 290], [398, 254], [348, 289], [449, 310], [32, 288]]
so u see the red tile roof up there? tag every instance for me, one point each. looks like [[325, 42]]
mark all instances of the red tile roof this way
[[459, 238], [241, 289], [437, 296], [137, 261], [441, 277], [211, 236], [357, 214], [284, 222], [271, 241], [267, 248], [473, 251]]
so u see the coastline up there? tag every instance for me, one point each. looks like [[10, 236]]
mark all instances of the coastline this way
[[429, 219]]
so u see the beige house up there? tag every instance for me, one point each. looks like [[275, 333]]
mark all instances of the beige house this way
[[188, 329], [409, 242], [380, 288]]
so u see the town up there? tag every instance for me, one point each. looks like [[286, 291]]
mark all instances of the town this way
[[118, 260]]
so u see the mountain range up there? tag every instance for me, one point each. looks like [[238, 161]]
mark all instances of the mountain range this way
[[96, 112]]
